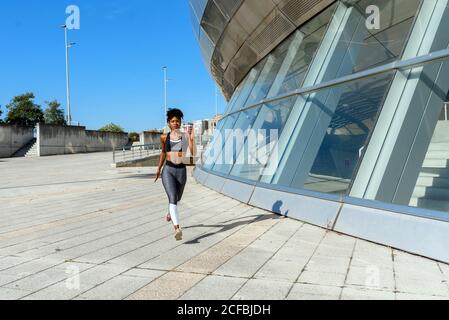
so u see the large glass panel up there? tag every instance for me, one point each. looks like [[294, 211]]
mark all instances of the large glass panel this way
[[207, 47], [215, 148], [195, 21], [357, 105], [312, 33], [234, 140], [262, 142], [368, 45], [432, 188], [268, 74], [247, 87], [213, 21]]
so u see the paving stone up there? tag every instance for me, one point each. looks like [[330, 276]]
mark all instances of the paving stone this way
[[245, 264], [101, 273], [214, 288], [409, 296], [64, 290], [117, 288], [7, 278], [372, 278], [328, 264], [314, 292], [39, 280], [12, 294], [258, 289], [281, 270], [322, 278], [424, 287], [144, 273], [170, 286], [364, 294]]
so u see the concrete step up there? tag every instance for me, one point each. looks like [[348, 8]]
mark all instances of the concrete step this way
[[433, 181], [31, 146], [430, 204], [439, 146], [433, 193], [436, 163], [435, 172], [438, 154]]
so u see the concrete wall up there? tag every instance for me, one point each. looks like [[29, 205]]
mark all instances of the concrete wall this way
[[149, 137], [54, 140], [57, 140], [105, 141], [12, 138]]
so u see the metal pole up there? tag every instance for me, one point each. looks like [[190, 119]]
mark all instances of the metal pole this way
[[445, 112], [216, 101], [69, 115], [165, 91]]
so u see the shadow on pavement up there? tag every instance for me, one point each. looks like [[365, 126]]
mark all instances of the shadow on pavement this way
[[225, 227]]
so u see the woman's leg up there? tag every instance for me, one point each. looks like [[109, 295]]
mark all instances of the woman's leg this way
[[182, 181], [170, 184]]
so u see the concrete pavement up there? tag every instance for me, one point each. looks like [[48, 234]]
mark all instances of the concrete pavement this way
[[71, 227]]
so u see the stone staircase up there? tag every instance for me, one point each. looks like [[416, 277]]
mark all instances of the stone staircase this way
[[28, 151], [432, 188]]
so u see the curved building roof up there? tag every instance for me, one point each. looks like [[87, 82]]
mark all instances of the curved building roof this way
[[234, 35]]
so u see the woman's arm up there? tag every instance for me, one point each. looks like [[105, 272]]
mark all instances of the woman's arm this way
[[162, 158], [192, 144]]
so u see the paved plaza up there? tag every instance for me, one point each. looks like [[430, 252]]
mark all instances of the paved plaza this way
[[72, 227]]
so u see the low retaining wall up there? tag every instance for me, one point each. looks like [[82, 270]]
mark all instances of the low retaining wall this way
[[13, 138], [150, 137], [58, 140], [54, 140], [97, 141]]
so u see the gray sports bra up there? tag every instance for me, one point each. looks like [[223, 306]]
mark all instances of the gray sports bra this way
[[176, 145]]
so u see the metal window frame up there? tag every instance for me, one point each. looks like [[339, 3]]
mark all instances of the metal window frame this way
[[364, 203], [399, 65]]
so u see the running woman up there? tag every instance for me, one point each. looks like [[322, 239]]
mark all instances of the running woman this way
[[174, 174]]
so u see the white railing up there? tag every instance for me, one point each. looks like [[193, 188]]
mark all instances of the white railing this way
[[136, 152]]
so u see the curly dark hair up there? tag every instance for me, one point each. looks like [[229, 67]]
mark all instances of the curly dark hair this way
[[172, 113]]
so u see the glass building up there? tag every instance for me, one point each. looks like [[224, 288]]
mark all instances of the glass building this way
[[337, 113]]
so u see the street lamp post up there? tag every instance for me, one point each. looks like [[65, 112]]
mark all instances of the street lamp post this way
[[67, 47], [165, 91], [216, 101]]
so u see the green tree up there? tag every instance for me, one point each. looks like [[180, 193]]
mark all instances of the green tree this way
[[1, 120], [134, 137], [23, 111], [112, 128], [54, 115]]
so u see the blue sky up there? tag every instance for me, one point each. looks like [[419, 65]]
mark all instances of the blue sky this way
[[116, 66]]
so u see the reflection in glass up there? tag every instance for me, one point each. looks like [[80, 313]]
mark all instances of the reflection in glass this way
[[351, 111], [235, 140], [247, 87], [268, 74], [215, 147], [372, 47], [432, 188], [266, 128], [312, 34], [213, 21]]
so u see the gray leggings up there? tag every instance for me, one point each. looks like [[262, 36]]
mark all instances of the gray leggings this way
[[174, 181]]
